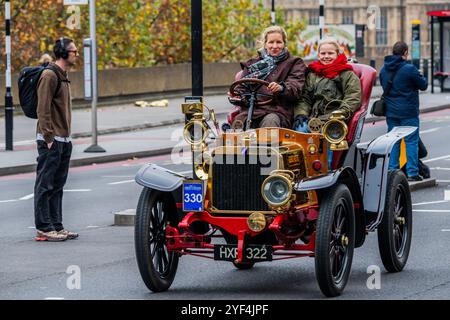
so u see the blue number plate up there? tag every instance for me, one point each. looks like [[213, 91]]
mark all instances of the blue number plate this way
[[193, 196]]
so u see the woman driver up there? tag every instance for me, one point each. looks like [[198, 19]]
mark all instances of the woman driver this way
[[286, 75]]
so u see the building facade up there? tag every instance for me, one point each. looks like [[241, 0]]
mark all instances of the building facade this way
[[386, 21]]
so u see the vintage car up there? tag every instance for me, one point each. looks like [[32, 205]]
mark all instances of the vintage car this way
[[258, 195]]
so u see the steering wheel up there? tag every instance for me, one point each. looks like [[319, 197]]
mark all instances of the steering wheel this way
[[252, 86]]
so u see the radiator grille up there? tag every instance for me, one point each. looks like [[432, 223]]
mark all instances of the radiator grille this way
[[236, 183]]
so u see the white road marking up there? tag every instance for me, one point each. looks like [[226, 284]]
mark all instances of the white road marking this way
[[5, 201], [117, 176], [185, 172], [28, 196], [432, 202], [19, 143], [439, 168], [445, 230], [447, 195], [54, 298], [92, 227], [431, 210], [443, 181], [78, 190], [429, 130], [438, 158], [121, 182]]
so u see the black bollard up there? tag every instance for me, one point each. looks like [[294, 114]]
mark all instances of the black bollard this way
[[425, 68], [373, 65]]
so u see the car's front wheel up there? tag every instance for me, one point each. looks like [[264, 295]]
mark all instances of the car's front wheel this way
[[335, 240], [157, 265]]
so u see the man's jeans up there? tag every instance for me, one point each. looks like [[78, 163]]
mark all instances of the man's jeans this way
[[51, 176], [412, 146]]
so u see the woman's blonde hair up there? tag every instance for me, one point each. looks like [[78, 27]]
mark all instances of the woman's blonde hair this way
[[272, 29], [332, 41], [45, 58]]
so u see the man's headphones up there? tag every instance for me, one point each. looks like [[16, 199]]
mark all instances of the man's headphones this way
[[62, 52]]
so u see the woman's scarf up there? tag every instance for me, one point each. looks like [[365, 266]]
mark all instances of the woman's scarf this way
[[262, 68], [331, 70]]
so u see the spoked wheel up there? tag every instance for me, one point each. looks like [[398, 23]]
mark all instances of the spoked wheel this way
[[335, 240], [156, 264], [395, 229]]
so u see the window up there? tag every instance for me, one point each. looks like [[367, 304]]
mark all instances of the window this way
[[381, 34], [347, 16], [313, 17]]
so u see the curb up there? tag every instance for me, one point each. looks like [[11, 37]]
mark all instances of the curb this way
[[125, 218], [426, 183], [373, 118], [27, 168], [181, 120], [141, 154], [105, 102], [136, 128]]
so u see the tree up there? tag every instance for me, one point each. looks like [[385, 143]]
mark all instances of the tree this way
[[141, 33]]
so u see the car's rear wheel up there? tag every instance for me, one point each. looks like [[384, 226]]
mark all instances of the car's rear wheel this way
[[156, 264], [335, 240], [395, 229]]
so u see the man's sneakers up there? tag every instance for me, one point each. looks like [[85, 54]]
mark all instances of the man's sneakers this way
[[69, 234], [52, 236], [415, 178], [55, 236]]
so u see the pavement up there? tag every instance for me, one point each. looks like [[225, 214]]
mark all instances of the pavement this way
[[128, 132]]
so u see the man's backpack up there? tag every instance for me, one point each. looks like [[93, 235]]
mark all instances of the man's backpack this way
[[28, 80]]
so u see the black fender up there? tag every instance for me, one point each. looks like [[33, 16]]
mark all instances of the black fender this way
[[347, 176], [375, 173], [155, 177]]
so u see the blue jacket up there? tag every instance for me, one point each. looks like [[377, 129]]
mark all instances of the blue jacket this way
[[403, 98]]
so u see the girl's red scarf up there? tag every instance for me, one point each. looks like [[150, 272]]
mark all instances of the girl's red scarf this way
[[331, 70]]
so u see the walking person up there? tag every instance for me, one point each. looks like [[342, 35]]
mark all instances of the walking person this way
[[53, 143], [402, 104]]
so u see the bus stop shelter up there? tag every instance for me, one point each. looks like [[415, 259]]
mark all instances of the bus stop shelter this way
[[440, 48]]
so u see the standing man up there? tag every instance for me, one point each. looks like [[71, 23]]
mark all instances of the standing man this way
[[402, 104], [53, 143]]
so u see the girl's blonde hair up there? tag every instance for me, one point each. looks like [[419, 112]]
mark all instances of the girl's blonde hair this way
[[332, 41], [272, 29]]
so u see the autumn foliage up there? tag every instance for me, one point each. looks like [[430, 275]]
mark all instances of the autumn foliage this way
[[140, 33]]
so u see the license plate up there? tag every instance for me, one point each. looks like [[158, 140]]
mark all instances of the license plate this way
[[252, 252], [193, 196]]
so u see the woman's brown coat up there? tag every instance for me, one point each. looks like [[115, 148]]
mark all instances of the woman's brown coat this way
[[290, 73]]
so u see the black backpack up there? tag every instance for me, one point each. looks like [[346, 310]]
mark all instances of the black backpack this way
[[28, 80]]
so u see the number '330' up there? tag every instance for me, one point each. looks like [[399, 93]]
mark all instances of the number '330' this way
[[191, 197]]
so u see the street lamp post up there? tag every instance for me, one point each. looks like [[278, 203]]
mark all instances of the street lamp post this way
[[94, 147], [197, 48], [272, 13], [321, 17], [9, 108]]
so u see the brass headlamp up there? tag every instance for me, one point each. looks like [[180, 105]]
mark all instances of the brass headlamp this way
[[276, 189], [335, 130], [195, 131]]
